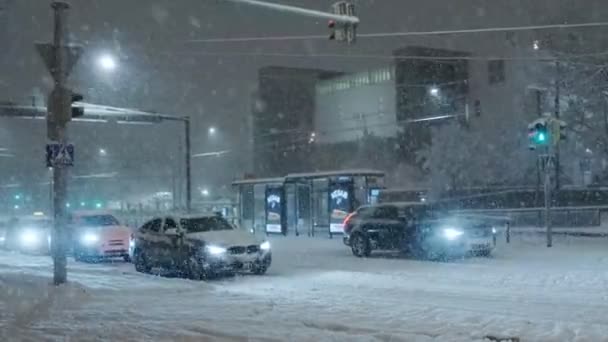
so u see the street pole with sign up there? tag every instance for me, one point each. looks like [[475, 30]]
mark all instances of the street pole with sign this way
[[59, 58]]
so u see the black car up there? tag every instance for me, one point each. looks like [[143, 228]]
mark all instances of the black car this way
[[416, 229]]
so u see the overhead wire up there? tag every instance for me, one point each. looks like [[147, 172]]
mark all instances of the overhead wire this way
[[405, 33]]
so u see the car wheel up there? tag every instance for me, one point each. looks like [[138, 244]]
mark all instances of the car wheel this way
[[261, 266], [141, 261], [484, 253], [360, 246], [194, 269]]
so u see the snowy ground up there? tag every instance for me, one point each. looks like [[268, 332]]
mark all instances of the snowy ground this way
[[317, 291]]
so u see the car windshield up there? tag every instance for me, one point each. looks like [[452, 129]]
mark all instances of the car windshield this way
[[99, 220], [205, 224]]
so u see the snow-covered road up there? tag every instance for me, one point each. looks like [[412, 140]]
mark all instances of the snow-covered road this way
[[317, 291]]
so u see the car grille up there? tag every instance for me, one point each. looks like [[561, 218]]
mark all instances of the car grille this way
[[253, 249], [242, 249], [115, 243], [237, 250], [481, 231]]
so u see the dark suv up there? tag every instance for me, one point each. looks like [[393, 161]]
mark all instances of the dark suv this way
[[416, 229]]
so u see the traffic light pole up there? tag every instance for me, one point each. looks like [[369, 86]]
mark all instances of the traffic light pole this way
[[300, 11], [547, 191], [188, 157], [59, 110]]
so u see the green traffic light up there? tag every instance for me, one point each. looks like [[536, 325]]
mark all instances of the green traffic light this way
[[541, 137]]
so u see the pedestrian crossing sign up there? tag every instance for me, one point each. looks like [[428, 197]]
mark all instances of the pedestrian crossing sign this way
[[59, 155]]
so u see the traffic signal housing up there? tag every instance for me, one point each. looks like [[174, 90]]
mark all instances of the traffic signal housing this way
[[343, 31], [332, 29], [77, 111], [538, 134]]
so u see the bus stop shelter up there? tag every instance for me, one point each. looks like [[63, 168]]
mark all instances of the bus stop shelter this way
[[305, 203]]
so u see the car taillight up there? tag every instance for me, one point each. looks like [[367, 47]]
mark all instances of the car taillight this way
[[345, 225]]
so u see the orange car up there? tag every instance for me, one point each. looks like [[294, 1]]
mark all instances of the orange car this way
[[98, 235]]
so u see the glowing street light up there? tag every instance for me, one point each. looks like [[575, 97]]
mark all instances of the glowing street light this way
[[212, 130], [205, 192], [103, 152], [107, 62], [434, 91]]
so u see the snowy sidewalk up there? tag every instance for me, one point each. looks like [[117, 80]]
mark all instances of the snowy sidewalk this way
[[317, 291]]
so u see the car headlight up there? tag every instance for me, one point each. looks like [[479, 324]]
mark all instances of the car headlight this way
[[265, 246], [29, 238], [215, 250], [452, 234], [89, 238]]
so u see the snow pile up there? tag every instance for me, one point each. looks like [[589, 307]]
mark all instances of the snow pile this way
[[27, 299]]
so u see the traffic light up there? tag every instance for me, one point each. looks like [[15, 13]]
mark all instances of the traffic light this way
[[77, 111], [343, 31], [538, 133], [332, 29], [545, 131], [558, 130]]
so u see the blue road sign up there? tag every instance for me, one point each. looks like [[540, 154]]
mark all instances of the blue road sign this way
[[59, 155]]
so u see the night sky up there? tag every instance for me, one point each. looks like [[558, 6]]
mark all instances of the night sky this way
[[159, 69]]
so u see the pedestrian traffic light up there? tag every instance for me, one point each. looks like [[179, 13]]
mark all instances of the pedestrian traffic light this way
[[77, 111]]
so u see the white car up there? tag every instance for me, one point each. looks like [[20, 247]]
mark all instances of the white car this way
[[198, 247], [29, 234]]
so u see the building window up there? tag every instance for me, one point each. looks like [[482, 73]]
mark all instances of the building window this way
[[496, 71]]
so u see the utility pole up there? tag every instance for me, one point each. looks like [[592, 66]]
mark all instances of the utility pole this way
[[547, 217], [59, 58], [557, 113], [188, 165]]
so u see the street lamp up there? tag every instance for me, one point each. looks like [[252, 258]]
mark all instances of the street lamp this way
[[212, 130], [434, 91], [103, 152], [205, 192], [107, 62]]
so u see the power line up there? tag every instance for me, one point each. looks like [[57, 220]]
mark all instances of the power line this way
[[385, 57], [404, 34], [305, 140]]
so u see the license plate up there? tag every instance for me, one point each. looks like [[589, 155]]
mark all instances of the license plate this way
[[480, 243]]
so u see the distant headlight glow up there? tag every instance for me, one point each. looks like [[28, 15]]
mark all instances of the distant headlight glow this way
[[215, 250], [265, 246], [89, 238], [30, 238], [452, 234]]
